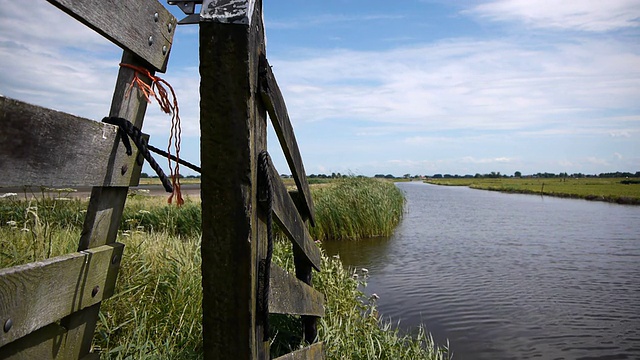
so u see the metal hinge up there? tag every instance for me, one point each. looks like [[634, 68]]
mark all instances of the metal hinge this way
[[189, 9]]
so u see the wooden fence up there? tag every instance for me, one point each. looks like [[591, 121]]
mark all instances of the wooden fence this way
[[49, 309]]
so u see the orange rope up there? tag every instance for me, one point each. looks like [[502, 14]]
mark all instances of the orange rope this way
[[168, 107]]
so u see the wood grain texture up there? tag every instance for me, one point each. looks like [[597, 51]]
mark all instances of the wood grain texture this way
[[311, 352], [43, 147], [37, 294], [288, 295], [233, 132], [53, 341], [274, 102], [106, 204], [228, 11], [288, 218], [143, 27]]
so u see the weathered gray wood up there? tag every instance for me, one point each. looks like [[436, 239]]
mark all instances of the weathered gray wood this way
[[274, 101], [311, 352], [144, 27], [233, 129], [288, 295], [289, 220], [106, 203], [43, 147], [53, 341], [228, 11], [304, 272], [37, 294]]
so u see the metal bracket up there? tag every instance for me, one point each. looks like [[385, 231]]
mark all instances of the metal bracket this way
[[189, 9]]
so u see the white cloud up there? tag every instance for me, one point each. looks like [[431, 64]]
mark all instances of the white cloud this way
[[466, 84], [585, 15]]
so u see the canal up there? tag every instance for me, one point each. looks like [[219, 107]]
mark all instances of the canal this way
[[507, 276]]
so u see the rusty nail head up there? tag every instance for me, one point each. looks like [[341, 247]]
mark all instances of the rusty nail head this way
[[164, 50], [115, 259], [95, 291], [170, 27], [155, 17], [150, 40], [7, 325]]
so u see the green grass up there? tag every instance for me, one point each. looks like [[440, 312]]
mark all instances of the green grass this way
[[355, 208], [601, 189], [156, 311]]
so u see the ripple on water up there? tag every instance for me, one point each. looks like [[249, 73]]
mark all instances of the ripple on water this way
[[510, 276]]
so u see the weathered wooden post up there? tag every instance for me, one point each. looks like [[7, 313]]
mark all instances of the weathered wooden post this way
[[233, 132]]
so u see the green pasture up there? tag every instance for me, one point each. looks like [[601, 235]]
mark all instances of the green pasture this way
[[617, 190]]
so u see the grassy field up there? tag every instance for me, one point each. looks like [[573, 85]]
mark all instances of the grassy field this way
[[600, 189], [156, 311]]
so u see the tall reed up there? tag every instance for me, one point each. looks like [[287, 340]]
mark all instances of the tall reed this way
[[355, 208]]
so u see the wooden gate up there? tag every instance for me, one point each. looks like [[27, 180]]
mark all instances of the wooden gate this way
[[49, 309], [237, 90]]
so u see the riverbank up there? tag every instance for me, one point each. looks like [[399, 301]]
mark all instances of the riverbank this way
[[157, 309], [614, 190]]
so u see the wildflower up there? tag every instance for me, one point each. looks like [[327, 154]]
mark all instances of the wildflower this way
[[139, 227], [11, 223], [374, 296], [25, 230], [365, 270], [144, 212], [355, 276], [8, 195]]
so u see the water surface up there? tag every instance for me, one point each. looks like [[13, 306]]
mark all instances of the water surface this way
[[507, 276]]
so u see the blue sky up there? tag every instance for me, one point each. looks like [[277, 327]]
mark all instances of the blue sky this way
[[390, 87]]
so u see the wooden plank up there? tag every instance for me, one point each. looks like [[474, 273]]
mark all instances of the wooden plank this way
[[289, 220], [274, 101], [43, 147], [288, 295], [53, 341], [311, 352], [37, 294], [143, 27], [105, 206], [233, 132], [304, 272]]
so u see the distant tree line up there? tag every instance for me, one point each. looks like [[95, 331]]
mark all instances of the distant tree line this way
[[545, 175]]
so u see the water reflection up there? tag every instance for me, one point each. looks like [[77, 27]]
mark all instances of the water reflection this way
[[510, 276]]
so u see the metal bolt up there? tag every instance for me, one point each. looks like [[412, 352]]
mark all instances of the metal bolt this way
[[95, 291], [150, 40], [115, 259], [170, 27], [124, 168], [155, 17], [164, 50], [7, 325]]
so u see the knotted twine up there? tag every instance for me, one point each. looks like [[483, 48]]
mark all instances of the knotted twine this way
[[168, 106]]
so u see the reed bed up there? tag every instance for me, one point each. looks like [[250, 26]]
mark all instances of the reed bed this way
[[156, 311], [355, 208]]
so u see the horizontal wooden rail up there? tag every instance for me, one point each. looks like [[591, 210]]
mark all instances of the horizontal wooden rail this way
[[288, 295], [289, 219], [39, 293], [59, 341], [144, 27], [274, 102], [311, 352], [44, 147]]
